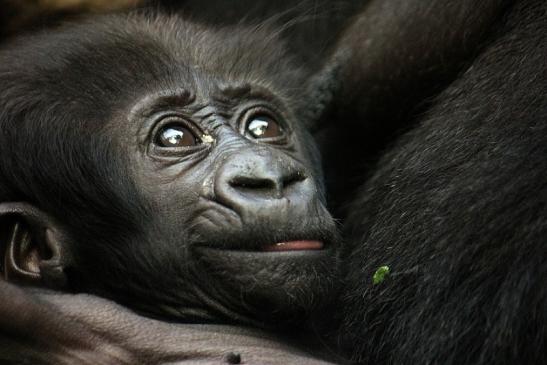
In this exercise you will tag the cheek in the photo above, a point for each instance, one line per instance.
(172, 189)
(171, 205)
(311, 157)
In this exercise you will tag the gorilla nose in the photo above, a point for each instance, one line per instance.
(264, 183)
(258, 178)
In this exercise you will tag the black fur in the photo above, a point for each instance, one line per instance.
(456, 207)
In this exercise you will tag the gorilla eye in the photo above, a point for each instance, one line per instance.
(263, 126)
(176, 136)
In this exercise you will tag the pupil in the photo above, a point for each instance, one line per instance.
(258, 127)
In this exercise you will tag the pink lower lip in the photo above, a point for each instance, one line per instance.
(295, 246)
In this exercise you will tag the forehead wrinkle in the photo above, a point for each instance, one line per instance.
(231, 95)
(235, 91)
(204, 111)
(153, 103)
(210, 116)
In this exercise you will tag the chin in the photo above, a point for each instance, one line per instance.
(280, 284)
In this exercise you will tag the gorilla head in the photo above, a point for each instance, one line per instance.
(165, 166)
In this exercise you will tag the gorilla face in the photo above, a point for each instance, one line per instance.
(233, 196)
(174, 163)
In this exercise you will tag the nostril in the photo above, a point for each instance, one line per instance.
(293, 178)
(251, 183)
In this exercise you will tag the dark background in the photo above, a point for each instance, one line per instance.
(311, 25)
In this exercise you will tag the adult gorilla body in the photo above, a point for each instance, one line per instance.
(454, 206)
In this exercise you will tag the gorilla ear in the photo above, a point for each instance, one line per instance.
(32, 247)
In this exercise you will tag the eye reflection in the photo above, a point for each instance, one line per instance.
(176, 136)
(263, 126)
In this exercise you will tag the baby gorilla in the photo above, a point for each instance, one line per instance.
(165, 166)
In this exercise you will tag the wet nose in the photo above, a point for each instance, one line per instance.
(258, 177)
(264, 181)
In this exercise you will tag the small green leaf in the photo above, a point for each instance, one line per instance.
(380, 274)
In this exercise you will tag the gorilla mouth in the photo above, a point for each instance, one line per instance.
(301, 245)
(256, 246)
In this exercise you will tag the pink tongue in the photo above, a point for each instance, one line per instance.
(295, 246)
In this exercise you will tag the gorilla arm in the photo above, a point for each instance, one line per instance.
(46, 336)
(402, 51)
(389, 62)
(53, 328)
